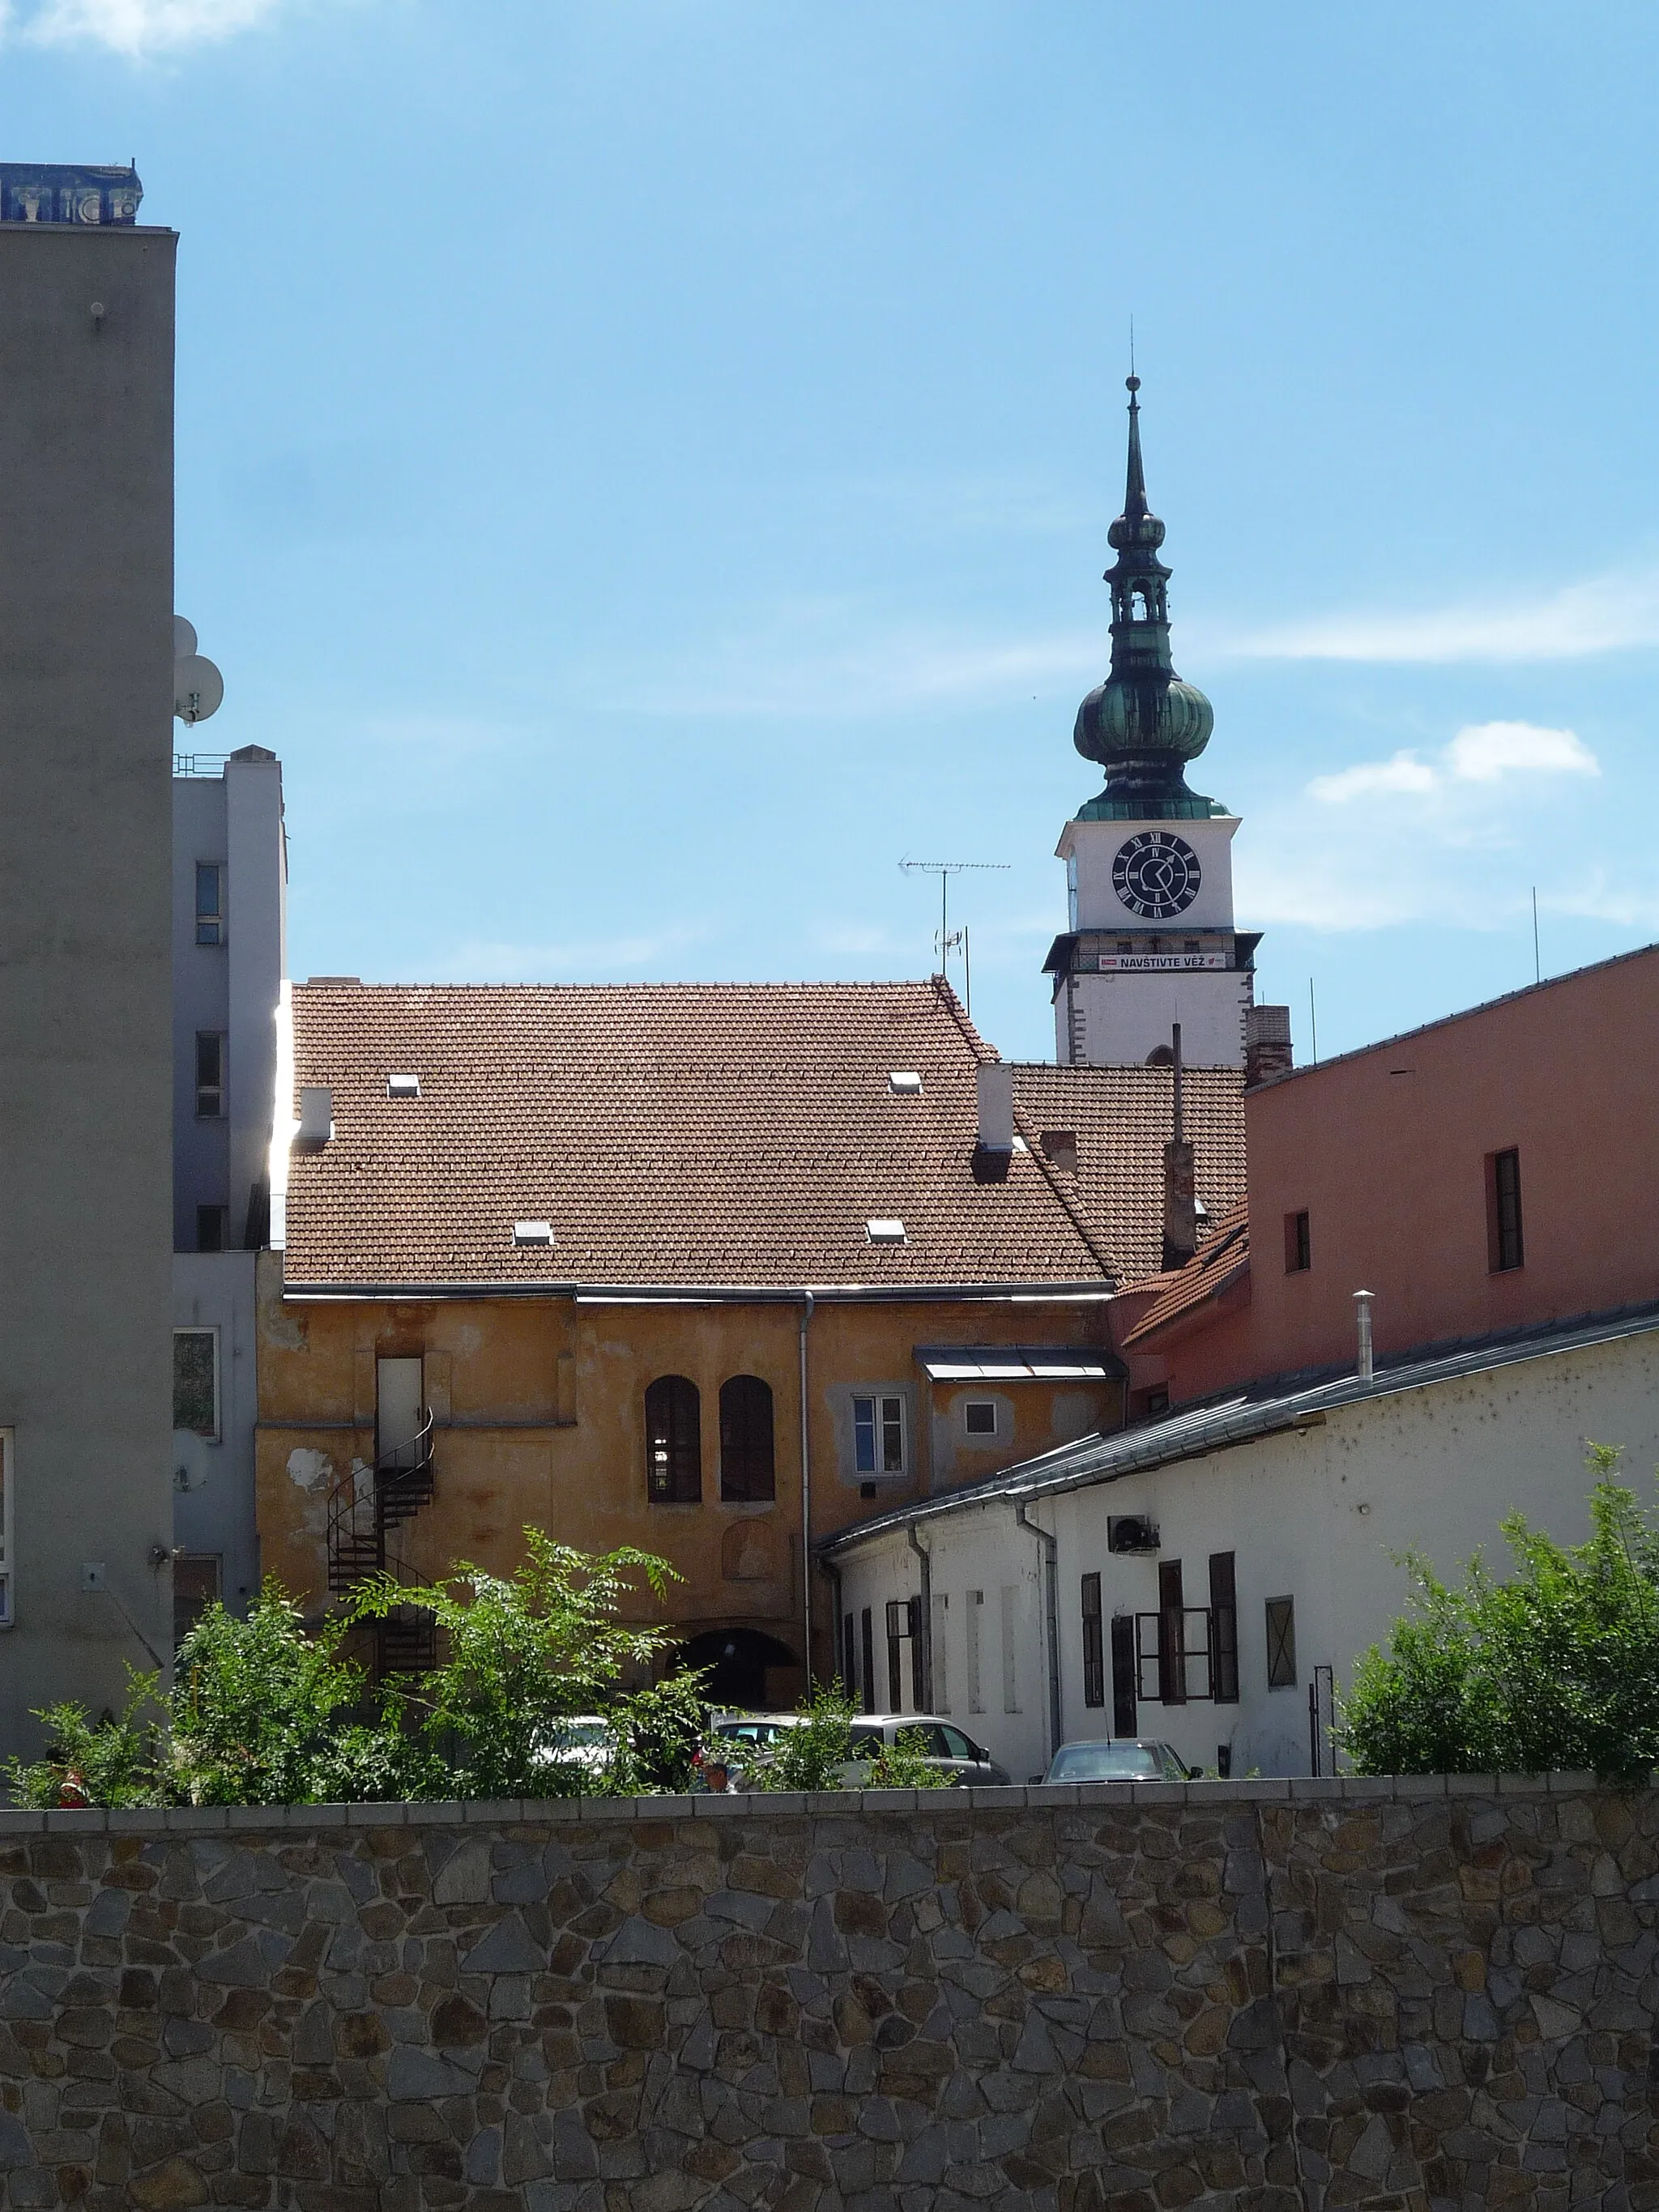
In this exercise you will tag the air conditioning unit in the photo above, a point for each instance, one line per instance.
(1131, 1531)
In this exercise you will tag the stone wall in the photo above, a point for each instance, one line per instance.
(1252, 1995)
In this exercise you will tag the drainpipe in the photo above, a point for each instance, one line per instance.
(926, 1559)
(1051, 1615)
(805, 1500)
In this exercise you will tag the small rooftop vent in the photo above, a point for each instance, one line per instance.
(402, 1086)
(532, 1232)
(905, 1083)
(889, 1231)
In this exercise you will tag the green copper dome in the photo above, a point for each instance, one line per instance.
(1143, 724)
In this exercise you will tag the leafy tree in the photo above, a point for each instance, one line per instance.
(256, 1706)
(657, 1732)
(1556, 1668)
(106, 1762)
(520, 1653)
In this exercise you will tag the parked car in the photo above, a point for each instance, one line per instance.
(942, 1742)
(744, 1740)
(1121, 1761)
(751, 1737)
(582, 1740)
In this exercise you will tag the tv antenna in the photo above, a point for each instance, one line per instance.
(945, 870)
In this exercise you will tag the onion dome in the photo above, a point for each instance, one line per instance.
(1143, 724)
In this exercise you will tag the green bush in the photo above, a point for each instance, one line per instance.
(268, 1711)
(1556, 1668)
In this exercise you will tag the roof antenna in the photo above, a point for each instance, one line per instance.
(1132, 345)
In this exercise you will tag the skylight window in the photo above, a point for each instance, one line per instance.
(889, 1231)
(532, 1232)
(402, 1086)
(905, 1083)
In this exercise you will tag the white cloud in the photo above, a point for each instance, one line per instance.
(139, 27)
(1458, 836)
(1613, 613)
(1482, 752)
(1486, 751)
(1403, 772)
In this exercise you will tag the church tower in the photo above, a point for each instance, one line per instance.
(1150, 940)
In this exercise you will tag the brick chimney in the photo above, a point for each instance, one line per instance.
(1266, 1043)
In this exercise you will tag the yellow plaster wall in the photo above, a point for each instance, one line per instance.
(540, 1419)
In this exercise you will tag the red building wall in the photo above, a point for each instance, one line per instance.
(1387, 1150)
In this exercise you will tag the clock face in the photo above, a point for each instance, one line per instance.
(1157, 875)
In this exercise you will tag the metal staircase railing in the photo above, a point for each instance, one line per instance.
(367, 1508)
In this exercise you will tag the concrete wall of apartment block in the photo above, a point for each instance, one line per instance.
(86, 719)
(1268, 1996)
(231, 821)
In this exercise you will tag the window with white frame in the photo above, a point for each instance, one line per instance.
(878, 1433)
(979, 1417)
(7, 1504)
(196, 1381)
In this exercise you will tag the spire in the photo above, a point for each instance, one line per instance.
(1143, 724)
(1134, 491)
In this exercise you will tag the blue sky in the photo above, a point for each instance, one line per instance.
(646, 466)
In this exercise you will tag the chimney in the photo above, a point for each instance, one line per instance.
(1180, 1187)
(316, 1117)
(1362, 1302)
(1060, 1150)
(996, 1106)
(1267, 1049)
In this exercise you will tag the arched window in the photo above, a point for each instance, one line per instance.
(746, 1467)
(673, 1442)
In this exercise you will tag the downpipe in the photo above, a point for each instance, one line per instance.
(1051, 1616)
(927, 1559)
(807, 1302)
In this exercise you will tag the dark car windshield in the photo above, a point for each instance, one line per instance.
(1105, 1762)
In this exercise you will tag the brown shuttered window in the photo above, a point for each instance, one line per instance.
(1224, 1629)
(747, 1472)
(1094, 1656)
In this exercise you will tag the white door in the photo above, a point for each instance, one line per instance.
(400, 1410)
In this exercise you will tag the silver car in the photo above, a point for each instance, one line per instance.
(1122, 1761)
(943, 1743)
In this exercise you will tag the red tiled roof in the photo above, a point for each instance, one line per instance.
(1217, 1263)
(720, 1135)
(1121, 1118)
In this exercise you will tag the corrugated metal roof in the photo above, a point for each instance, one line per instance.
(1269, 1408)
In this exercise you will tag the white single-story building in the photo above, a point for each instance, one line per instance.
(1210, 1577)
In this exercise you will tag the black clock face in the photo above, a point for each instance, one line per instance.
(1157, 875)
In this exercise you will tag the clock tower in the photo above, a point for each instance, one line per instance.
(1150, 940)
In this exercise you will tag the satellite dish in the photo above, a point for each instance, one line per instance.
(198, 687)
(184, 638)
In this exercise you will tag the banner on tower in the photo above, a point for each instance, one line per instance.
(1157, 963)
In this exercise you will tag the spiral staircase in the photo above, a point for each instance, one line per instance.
(368, 1508)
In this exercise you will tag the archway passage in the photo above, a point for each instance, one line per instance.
(738, 1660)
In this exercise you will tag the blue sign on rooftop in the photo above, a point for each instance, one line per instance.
(52, 191)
